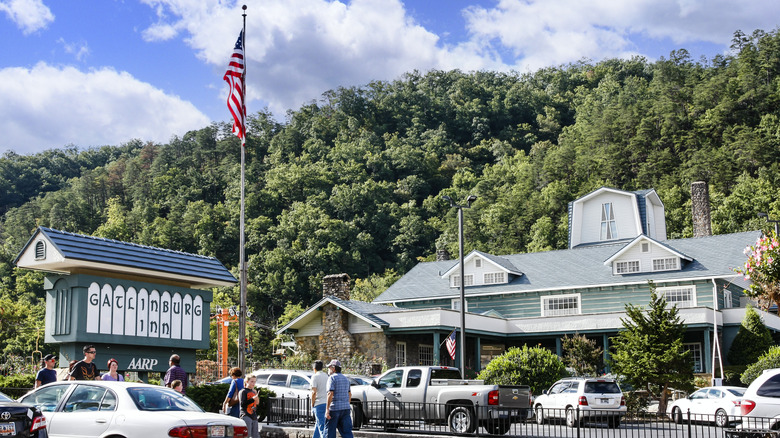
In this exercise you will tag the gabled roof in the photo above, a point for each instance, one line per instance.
(578, 268)
(643, 238)
(499, 262)
(77, 252)
(366, 311)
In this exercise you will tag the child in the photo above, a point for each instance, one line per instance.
(176, 385)
(248, 400)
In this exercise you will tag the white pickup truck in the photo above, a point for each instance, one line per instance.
(435, 395)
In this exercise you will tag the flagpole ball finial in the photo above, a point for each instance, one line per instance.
(243, 7)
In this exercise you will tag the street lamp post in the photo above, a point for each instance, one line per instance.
(460, 208)
(776, 222)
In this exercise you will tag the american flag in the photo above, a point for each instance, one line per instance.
(235, 78)
(451, 344)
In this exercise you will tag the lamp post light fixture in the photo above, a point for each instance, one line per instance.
(460, 208)
(776, 222)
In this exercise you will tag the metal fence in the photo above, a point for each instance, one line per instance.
(431, 418)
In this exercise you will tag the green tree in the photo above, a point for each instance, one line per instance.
(649, 350)
(369, 288)
(752, 340)
(536, 367)
(581, 354)
(768, 360)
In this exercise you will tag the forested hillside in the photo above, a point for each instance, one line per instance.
(353, 182)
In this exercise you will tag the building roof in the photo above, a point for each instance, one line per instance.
(363, 310)
(582, 267)
(79, 252)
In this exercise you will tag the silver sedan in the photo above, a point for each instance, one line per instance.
(123, 409)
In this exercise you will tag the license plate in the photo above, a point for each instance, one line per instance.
(7, 429)
(216, 431)
(604, 400)
(513, 412)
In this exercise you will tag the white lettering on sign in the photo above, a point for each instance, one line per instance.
(140, 313)
(142, 363)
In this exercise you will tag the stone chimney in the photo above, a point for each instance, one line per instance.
(336, 342)
(442, 255)
(700, 206)
(336, 285)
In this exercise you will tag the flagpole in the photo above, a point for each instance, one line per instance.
(242, 275)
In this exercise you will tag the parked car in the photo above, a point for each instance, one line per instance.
(760, 406)
(18, 420)
(714, 404)
(597, 399)
(105, 408)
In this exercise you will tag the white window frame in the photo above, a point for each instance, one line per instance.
(477, 262)
(608, 224)
(628, 266)
(469, 280)
(425, 352)
(679, 290)
(400, 353)
(695, 349)
(728, 299)
(666, 264)
(645, 247)
(546, 311)
(498, 277)
(455, 304)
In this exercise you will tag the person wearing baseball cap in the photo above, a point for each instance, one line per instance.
(337, 407)
(46, 374)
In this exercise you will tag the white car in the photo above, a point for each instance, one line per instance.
(715, 404)
(760, 407)
(580, 398)
(99, 408)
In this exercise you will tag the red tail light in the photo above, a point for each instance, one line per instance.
(622, 401)
(240, 432)
(38, 423)
(180, 432)
(747, 406)
(583, 401)
(493, 397)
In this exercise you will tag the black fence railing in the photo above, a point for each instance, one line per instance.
(474, 420)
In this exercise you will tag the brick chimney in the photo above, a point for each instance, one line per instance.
(336, 285)
(336, 342)
(442, 255)
(700, 209)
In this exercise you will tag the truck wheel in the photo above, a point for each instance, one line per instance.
(571, 418)
(461, 420)
(539, 414)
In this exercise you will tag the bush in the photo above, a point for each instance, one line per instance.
(17, 385)
(770, 359)
(752, 340)
(732, 374)
(537, 367)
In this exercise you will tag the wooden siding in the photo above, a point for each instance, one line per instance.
(587, 217)
(357, 325)
(313, 328)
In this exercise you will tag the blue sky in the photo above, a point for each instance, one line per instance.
(103, 72)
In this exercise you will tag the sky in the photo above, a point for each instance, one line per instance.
(104, 72)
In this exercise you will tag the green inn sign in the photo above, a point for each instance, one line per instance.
(135, 303)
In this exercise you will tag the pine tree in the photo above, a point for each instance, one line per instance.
(581, 354)
(752, 340)
(650, 351)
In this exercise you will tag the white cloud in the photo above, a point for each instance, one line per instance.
(98, 107)
(29, 15)
(79, 50)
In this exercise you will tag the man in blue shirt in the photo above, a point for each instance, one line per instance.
(46, 374)
(337, 407)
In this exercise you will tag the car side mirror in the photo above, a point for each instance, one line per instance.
(375, 384)
(544, 392)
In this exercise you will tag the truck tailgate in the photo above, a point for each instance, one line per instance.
(514, 396)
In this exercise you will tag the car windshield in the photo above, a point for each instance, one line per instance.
(161, 399)
(601, 388)
(739, 392)
(4, 397)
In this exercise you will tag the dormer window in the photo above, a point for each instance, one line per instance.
(608, 225)
(456, 280)
(666, 264)
(627, 267)
(40, 250)
(495, 277)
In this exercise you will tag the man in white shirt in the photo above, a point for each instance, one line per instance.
(319, 397)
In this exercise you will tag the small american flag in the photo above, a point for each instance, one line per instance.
(451, 344)
(235, 78)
